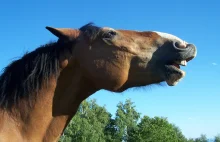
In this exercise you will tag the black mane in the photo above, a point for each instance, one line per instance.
(25, 76)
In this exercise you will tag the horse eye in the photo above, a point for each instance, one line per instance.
(112, 33)
(109, 34)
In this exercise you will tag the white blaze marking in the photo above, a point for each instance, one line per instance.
(107, 28)
(171, 37)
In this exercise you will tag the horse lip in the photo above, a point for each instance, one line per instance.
(190, 58)
(172, 75)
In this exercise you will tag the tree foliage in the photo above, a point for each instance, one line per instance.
(202, 138)
(93, 123)
(88, 124)
(217, 138)
(126, 120)
(158, 129)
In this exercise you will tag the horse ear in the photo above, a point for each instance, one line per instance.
(64, 33)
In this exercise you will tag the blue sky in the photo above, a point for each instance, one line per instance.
(193, 105)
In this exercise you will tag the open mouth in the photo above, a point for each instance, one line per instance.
(178, 63)
(173, 72)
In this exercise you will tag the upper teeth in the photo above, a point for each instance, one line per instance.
(183, 62)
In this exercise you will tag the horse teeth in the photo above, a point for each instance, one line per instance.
(183, 62)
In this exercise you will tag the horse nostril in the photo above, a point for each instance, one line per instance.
(179, 45)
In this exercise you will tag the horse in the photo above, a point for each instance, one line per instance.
(41, 91)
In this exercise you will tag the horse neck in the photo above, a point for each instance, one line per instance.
(54, 106)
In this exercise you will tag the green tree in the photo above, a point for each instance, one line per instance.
(190, 140)
(125, 122)
(88, 124)
(110, 132)
(179, 134)
(157, 130)
(202, 138)
(93, 123)
(217, 138)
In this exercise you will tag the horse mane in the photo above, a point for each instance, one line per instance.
(24, 77)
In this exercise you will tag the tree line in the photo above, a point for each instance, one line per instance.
(93, 123)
